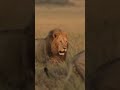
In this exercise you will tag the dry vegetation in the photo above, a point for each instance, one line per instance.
(72, 20)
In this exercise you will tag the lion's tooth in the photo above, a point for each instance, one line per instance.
(61, 53)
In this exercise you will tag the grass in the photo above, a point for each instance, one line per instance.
(72, 20)
(76, 41)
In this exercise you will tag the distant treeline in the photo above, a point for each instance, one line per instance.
(53, 1)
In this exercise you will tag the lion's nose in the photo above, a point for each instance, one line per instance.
(64, 48)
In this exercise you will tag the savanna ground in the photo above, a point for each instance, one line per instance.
(70, 19)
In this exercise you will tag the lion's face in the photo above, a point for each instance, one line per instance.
(59, 43)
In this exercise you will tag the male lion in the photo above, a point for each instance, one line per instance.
(53, 47)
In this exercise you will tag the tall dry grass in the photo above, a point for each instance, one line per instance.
(72, 20)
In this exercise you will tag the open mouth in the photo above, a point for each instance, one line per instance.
(61, 53)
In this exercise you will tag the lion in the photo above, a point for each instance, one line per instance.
(78, 63)
(52, 48)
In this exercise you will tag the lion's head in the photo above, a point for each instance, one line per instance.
(57, 43)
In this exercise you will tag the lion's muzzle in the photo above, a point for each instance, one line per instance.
(62, 52)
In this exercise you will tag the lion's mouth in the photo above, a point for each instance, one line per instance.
(61, 53)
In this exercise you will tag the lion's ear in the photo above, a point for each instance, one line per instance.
(55, 35)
